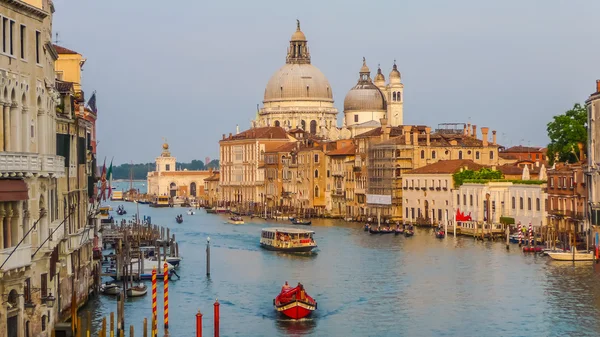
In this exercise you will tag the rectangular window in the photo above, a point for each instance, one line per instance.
(521, 203)
(316, 158)
(38, 40)
(167, 167)
(513, 203)
(458, 199)
(44, 284)
(471, 200)
(355, 118)
(465, 199)
(11, 37)
(552, 182)
(537, 204)
(4, 31)
(529, 204)
(27, 290)
(23, 37)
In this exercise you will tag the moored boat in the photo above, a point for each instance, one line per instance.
(287, 239)
(373, 230)
(399, 230)
(573, 256)
(110, 289)
(294, 303)
(137, 290)
(301, 222)
(236, 220)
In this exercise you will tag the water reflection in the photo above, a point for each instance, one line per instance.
(290, 327)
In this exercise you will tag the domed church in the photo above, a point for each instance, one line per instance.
(298, 95)
(367, 102)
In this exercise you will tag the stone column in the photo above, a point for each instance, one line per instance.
(41, 131)
(7, 127)
(8, 226)
(25, 138)
(15, 125)
(2, 132)
(2, 216)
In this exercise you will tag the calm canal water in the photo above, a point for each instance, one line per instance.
(366, 285)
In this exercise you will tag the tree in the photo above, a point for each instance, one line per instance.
(482, 174)
(566, 131)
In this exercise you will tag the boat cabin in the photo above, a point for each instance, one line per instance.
(287, 239)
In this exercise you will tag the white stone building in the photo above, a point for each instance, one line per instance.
(593, 159)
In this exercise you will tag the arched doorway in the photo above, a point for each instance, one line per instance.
(303, 125)
(313, 127)
(193, 189)
(173, 190)
(12, 314)
(277, 123)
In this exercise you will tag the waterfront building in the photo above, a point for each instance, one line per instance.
(567, 197)
(367, 102)
(593, 159)
(167, 180)
(488, 202)
(428, 191)
(211, 187)
(242, 158)
(312, 178)
(280, 186)
(525, 153)
(340, 189)
(298, 95)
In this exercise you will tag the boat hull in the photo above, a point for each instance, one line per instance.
(110, 290)
(296, 309)
(568, 256)
(303, 249)
(135, 292)
(235, 222)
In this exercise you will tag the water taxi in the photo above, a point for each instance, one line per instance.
(160, 201)
(236, 220)
(287, 239)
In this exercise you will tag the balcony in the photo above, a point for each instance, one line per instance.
(80, 238)
(567, 214)
(20, 258)
(338, 192)
(20, 164)
(359, 191)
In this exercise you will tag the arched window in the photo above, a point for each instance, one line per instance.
(303, 125)
(491, 154)
(459, 154)
(432, 154)
(173, 189)
(316, 173)
(313, 127)
(44, 323)
(193, 189)
(422, 154)
(394, 96)
(316, 191)
(399, 96)
(277, 123)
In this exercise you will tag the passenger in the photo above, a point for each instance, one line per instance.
(285, 287)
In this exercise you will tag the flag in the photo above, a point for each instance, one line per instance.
(109, 178)
(92, 103)
(101, 195)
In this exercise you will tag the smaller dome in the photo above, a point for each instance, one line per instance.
(395, 74)
(379, 78)
(364, 68)
(298, 35)
(364, 97)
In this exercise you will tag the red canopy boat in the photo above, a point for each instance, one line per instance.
(295, 302)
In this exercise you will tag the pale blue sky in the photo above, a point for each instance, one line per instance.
(191, 70)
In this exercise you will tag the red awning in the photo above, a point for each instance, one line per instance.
(13, 190)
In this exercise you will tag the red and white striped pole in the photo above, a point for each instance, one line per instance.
(166, 294)
(530, 234)
(520, 229)
(154, 317)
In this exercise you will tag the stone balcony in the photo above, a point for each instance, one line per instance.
(76, 240)
(21, 164)
(20, 258)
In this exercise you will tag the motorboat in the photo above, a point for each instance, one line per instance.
(172, 260)
(191, 212)
(301, 222)
(532, 249)
(138, 290)
(287, 240)
(236, 220)
(573, 256)
(294, 303)
(150, 264)
(109, 288)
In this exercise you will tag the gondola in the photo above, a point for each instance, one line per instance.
(409, 231)
(301, 222)
(373, 230)
(440, 234)
(399, 231)
(367, 227)
(179, 219)
(121, 210)
(386, 231)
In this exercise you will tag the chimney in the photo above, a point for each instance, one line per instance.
(597, 85)
(474, 131)
(406, 131)
(493, 137)
(230, 135)
(237, 129)
(223, 136)
(464, 129)
(415, 136)
(385, 128)
(484, 135)
(468, 129)
(428, 132)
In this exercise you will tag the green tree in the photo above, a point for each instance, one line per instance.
(482, 174)
(566, 131)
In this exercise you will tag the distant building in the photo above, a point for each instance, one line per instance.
(593, 161)
(567, 197)
(525, 153)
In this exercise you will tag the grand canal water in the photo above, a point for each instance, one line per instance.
(367, 285)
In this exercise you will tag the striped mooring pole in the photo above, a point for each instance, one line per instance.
(154, 317)
(166, 294)
(520, 233)
(530, 234)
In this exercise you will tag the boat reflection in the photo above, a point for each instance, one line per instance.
(301, 327)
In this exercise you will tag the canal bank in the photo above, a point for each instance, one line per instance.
(366, 285)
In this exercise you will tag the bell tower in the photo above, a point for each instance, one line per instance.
(165, 163)
(395, 98)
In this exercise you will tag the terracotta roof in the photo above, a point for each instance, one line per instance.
(63, 50)
(287, 147)
(347, 150)
(505, 155)
(447, 166)
(438, 139)
(526, 149)
(63, 86)
(267, 132)
(272, 147)
(394, 132)
(214, 177)
(509, 169)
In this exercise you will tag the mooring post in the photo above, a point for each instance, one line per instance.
(79, 328)
(131, 331)
(507, 236)
(145, 327)
(166, 295)
(208, 256)
(216, 306)
(103, 326)
(112, 324)
(198, 324)
(154, 317)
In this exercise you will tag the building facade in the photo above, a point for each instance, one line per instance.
(593, 159)
(567, 197)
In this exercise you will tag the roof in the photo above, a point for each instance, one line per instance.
(440, 140)
(394, 132)
(447, 167)
(266, 132)
(527, 149)
(286, 230)
(347, 150)
(64, 87)
(63, 50)
(509, 169)
(214, 177)
(287, 147)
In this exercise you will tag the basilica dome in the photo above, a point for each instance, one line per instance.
(364, 96)
(298, 82)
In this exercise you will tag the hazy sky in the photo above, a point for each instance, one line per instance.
(191, 70)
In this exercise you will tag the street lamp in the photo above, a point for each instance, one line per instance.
(49, 300)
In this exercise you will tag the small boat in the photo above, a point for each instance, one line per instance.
(373, 230)
(399, 230)
(386, 230)
(409, 231)
(532, 249)
(301, 222)
(573, 256)
(236, 220)
(545, 252)
(137, 290)
(179, 219)
(210, 210)
(294, 303)
(191, 212)
(121, 210)
(287, 240)
(110, 289)
(440, 234)
(367, 227)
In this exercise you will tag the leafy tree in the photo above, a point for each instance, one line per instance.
(482, 174)
(566, 131)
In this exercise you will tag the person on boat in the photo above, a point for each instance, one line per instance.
(285, 287)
